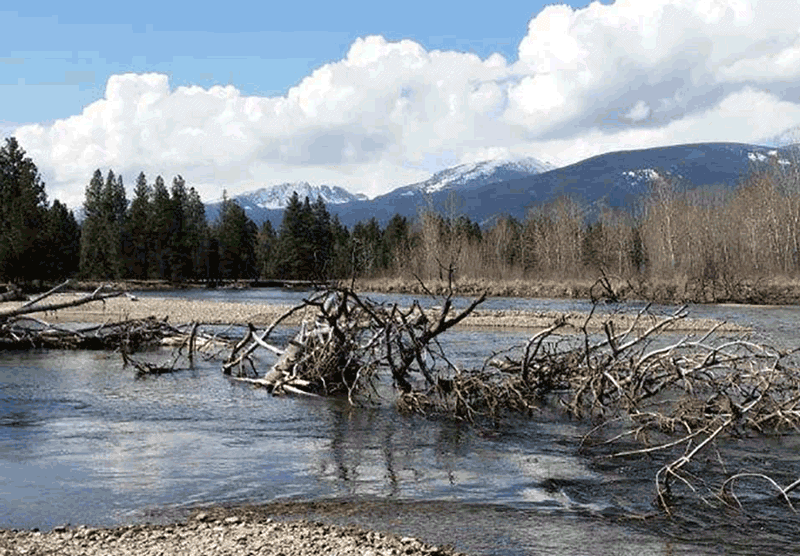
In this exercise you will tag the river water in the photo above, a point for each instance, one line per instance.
(84, 441)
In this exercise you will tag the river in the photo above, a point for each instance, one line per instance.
(83, 441)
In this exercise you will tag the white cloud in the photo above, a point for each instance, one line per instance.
(640, 111)
(628, 75)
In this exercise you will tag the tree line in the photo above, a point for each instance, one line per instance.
(713, 236)
(36, 238)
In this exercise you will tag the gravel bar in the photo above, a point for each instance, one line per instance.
(182, 311)
(216, 533)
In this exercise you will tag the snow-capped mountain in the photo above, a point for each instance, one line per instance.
(262, 201)
(484, 190)
(277, 196)
(484, 173)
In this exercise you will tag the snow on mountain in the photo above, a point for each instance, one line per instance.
(483, 173)
(277, 196)
(765, 157)
(643, 175)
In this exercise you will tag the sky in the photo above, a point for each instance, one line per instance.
(371, 96)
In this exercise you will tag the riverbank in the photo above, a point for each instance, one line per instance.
(182, 311)
(762, 291)
(217, 532)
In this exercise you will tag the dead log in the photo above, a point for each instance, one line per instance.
(32, 306)
(347, 342)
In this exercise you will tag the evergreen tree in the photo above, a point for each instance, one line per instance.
(266, 250)
(115, 206)
(196, 230)
(321, 240)
(23, 205)
(180, 251)
(138, 234)
(105, 207)
(396, 242)
(341, 250)
(236, 237)
(292, 241)
(63, 243)
(161, 228)
(93, 262)
(593, 248)
(368, 250)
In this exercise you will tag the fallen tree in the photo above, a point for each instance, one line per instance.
(20, 329)
(346, 341)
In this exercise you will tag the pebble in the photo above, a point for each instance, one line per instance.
(231, 535)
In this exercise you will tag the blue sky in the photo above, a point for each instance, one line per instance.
(371, 96)
(60, 55)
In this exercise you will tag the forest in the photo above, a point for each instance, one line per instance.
(711, 241)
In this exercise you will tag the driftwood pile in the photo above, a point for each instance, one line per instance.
(25, 327)
(344, 346)
(651, 393)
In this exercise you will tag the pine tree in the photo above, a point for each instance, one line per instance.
(138, 234)
(321, 240)
(117, 214)
(367, 247)
(93, 263)
(161, 226)
(196, 233)
(23, 205)
(289, 263)
(105, 209)
(236, 237)
(396, 242)
(341, 250)
(180, 256)
(266, 250)
(62, 243)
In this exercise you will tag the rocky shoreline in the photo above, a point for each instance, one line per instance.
(217, 532)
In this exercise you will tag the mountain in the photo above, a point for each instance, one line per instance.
(480, 173)
(259, 204)
(487, 189)
(616, 179)
(406, 200)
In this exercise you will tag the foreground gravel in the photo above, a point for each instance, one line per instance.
(216, 534)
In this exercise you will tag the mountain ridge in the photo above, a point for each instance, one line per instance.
(486, 189)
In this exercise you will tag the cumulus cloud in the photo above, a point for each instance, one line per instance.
(628, 75)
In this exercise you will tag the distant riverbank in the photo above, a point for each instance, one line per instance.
(772, 291)
(182, 311)
(761, 291)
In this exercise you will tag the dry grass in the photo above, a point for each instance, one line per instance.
(774, 290)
